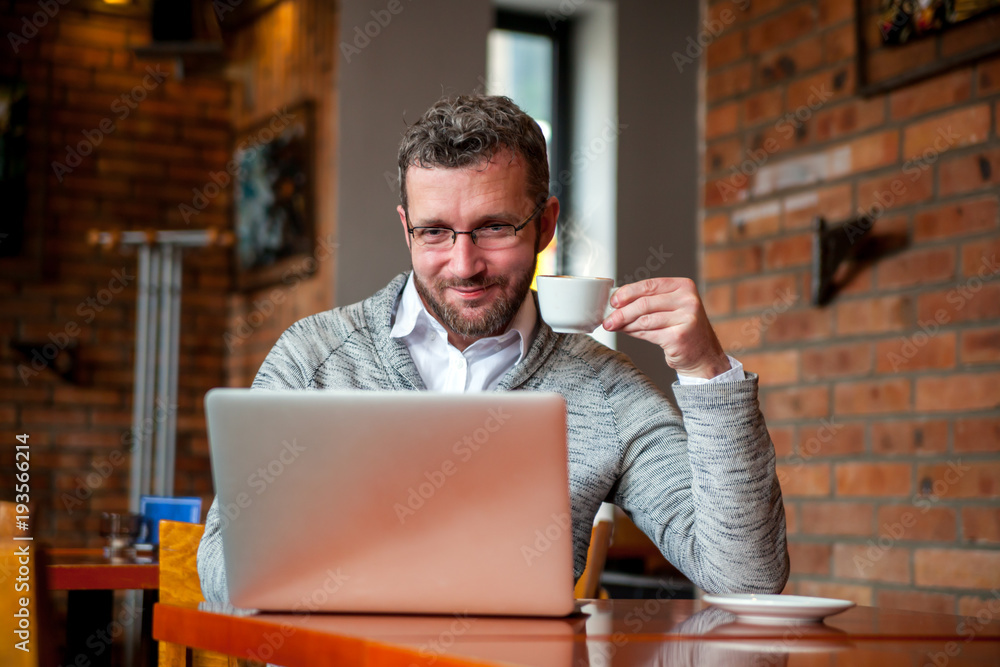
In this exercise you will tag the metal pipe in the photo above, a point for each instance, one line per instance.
(149, 423)
(139, 379)
(172, 369)
(163, 370)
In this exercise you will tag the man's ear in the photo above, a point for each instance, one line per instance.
(406, 227)
(547, 226)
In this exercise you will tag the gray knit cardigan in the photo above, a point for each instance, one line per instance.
(703, 488)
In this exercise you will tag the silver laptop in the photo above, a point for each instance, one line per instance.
(412, 502)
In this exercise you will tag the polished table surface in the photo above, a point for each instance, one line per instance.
(76, 569)
(607, 632)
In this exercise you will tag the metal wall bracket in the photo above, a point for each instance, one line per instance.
(833, 245)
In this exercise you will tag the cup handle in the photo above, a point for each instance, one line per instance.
(608, 309)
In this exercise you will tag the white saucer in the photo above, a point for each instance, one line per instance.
(778, 609)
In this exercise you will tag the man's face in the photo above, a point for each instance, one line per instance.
(474, 292)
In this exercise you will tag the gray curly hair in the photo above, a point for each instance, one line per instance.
(469, 130)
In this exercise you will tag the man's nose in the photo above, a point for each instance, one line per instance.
(467, 258)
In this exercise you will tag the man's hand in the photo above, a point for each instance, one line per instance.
(669, 313)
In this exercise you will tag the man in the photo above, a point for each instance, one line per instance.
(475, 212)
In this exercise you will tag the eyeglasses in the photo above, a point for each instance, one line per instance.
(491, 236)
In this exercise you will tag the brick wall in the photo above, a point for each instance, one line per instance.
(883, 405)
(284, 58)
(139, 140)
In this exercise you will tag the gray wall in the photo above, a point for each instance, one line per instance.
(439, 46)
(657, 154)
(429, 48)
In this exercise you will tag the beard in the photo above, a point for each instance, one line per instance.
(473, 320)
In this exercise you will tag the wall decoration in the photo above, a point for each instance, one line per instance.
(273, 199)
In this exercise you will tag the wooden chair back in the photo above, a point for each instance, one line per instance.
(23, 578)
(180, 585)
(588, 585)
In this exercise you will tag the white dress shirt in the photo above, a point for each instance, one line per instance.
(481, 365)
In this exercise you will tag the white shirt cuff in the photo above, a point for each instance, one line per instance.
(734, 374)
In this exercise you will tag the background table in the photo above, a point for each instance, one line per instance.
(91, 580)
(619, 632)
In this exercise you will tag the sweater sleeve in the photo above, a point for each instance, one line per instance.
(706, 490)
(282, 369)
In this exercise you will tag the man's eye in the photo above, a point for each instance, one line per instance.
(493, 229)
(434, 233)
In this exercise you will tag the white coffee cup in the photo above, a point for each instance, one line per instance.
(574, 304)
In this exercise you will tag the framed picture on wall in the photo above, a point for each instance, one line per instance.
(273, 198)
(902, 41)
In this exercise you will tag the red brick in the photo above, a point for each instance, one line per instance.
(791, 519)
(834, 203)
(726, 191)
(727, 14)
(820, 89)
(877, 315)
(739, 334)
(854, 116)
(960, 479)
(61, 416)
(977, 434)
(895, 189)
(732, 263)
(839, 44)
(88, 439)
(833, 361)
(930, 603)
(861, 595)
(872, 397)
(789, 251)
(988, 77)
(722, 120)
(781, 438)
(966, 217)
(782, 28)
(964, 391)
(774, 368)
(969, 172)
(760, 293)
(981, 525)
(801, 479)
(831, 439)
(718, 300)
(914, 352)
(832, 12)
(715, 229)
(873, 479)
(799, 325)
(874, 150)
(861, 561)
(959, 304)
(762, 219)
(981, 346)
(82, 56)
(910, 522)
(909, 437)
(981, 259)
(916, 267)
(728, 82)
(725, 49)
(782, 64)
(798, 403)
(940, 92)
(837, 518)
(806, 558)
(84, 396)
(957, 568)
(974, 605)
(947, 131)
(725, 154)
(762, 106)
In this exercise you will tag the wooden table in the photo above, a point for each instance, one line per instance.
(618, 632)
(91, 580)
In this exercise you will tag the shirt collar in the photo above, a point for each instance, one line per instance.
(412, 321)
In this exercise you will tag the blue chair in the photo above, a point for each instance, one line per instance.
(186, 509)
